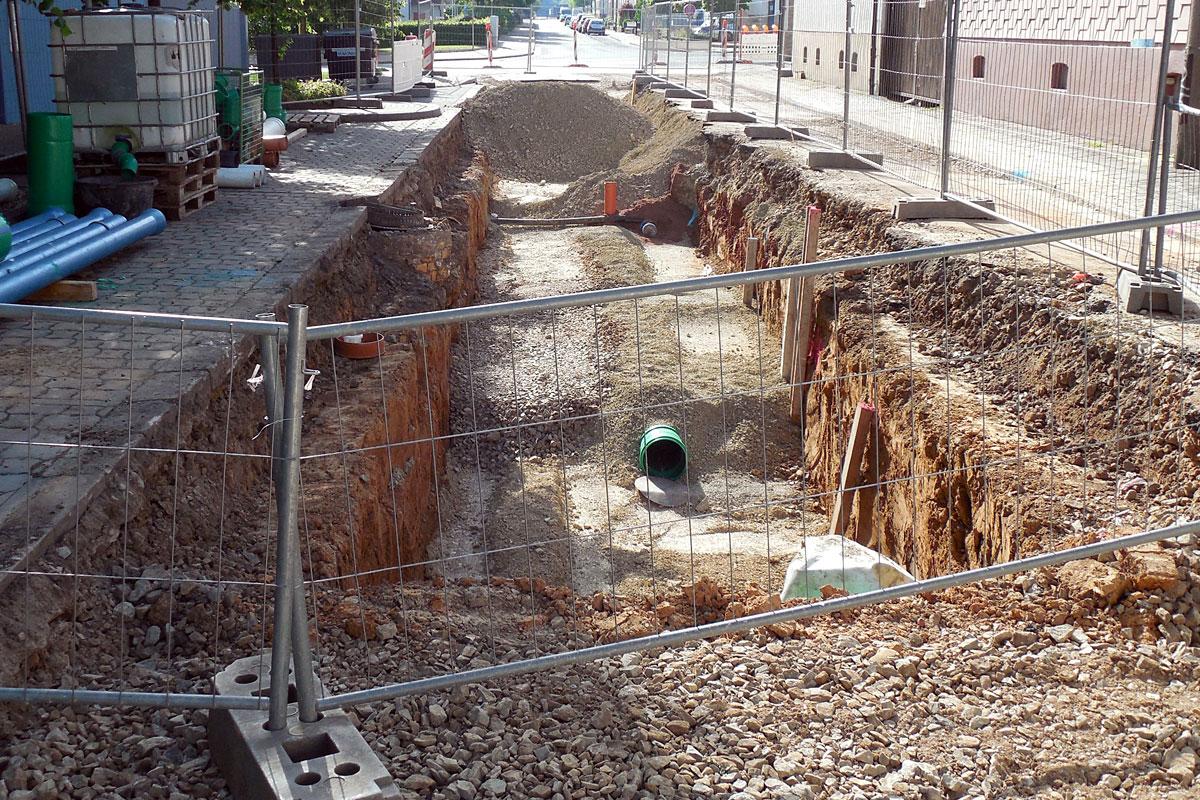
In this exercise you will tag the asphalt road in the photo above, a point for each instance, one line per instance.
(555, 49)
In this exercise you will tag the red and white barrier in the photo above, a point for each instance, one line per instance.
(427, 53)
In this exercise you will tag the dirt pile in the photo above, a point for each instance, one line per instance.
(644, 172)
(552, 131)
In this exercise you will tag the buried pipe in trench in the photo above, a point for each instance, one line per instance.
(662, 453)
(644, 226)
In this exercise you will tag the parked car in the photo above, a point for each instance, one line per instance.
(595, 28)
(565, 17)
(575, 22)
(629, 25)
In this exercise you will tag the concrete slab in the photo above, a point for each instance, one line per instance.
(702, 104)
(1144, 294)
(940, 208)
(322, 759)
(666, 492)
(836, 159)
(674, 94)
(730, 116)
(775, 132)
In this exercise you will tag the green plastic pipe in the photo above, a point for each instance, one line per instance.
(662, 453)
(5, 237)
(51, 162)
(273, 101)
(122, 154)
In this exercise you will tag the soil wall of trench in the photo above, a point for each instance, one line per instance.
(943, 504)
(211, 523)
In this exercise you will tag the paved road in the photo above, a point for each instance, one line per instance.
(554, 51)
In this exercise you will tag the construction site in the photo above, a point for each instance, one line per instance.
(477, 460)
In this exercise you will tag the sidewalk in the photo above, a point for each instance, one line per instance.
(63, 385)
(1040, 177)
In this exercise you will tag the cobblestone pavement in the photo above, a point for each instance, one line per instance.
(73, 397)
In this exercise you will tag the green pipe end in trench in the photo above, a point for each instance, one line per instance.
(662, 453)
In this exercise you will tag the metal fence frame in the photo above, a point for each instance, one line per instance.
(284, 383)
(944, 177)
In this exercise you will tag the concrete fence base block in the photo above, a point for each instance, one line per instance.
(729, 116)
(775, 132)
(682, 94)
(662, 85)
(702, 104)
(940, 208)
(837, 159)
(322, 759)
(1137, 293)
(642, 81)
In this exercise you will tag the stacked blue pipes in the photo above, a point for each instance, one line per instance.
(54, 245)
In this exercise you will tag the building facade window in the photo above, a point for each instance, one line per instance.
(804, 56)
(817, 59)
(1058, 76)
(854, 62)
(978, 67)
(841, 60)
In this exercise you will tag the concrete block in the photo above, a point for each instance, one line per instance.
(642, 81)
(939, 208)
(1138, 293)
(729, 116)
(681, 94)
(775, 132)
(836, 159)
(663, 85)
(702, 104)
(322, 759)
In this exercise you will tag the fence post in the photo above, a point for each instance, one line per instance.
(18, 56)
(290, 644)
(529, 45)
(1164, 172)
(1160, 111)
(846, 76)
(687, 52)
(737, 44)
(358, 52)
(670, 19)
(708, 75)
(949, 69)
(779, 58)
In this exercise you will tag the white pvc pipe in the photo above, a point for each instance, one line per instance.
(247, 176)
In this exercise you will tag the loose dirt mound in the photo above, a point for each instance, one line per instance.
(644, 172)
(552, 131)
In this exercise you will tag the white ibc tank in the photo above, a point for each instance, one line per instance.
(145, 72)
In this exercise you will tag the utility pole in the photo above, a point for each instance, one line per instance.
(1188, 154)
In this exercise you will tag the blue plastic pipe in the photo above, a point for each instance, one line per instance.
(38, 219)
(42, 273)
(45, 227)
(92, 230)
(25, 244)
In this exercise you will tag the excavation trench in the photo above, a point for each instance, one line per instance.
(999, 424)
(496, 460)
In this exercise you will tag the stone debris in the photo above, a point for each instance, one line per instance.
(992, 690)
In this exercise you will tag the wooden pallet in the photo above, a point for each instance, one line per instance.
(315, 122)
(190, 205)
(179, 184)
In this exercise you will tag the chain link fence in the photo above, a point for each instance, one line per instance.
(467, 483)
(1047, 118)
